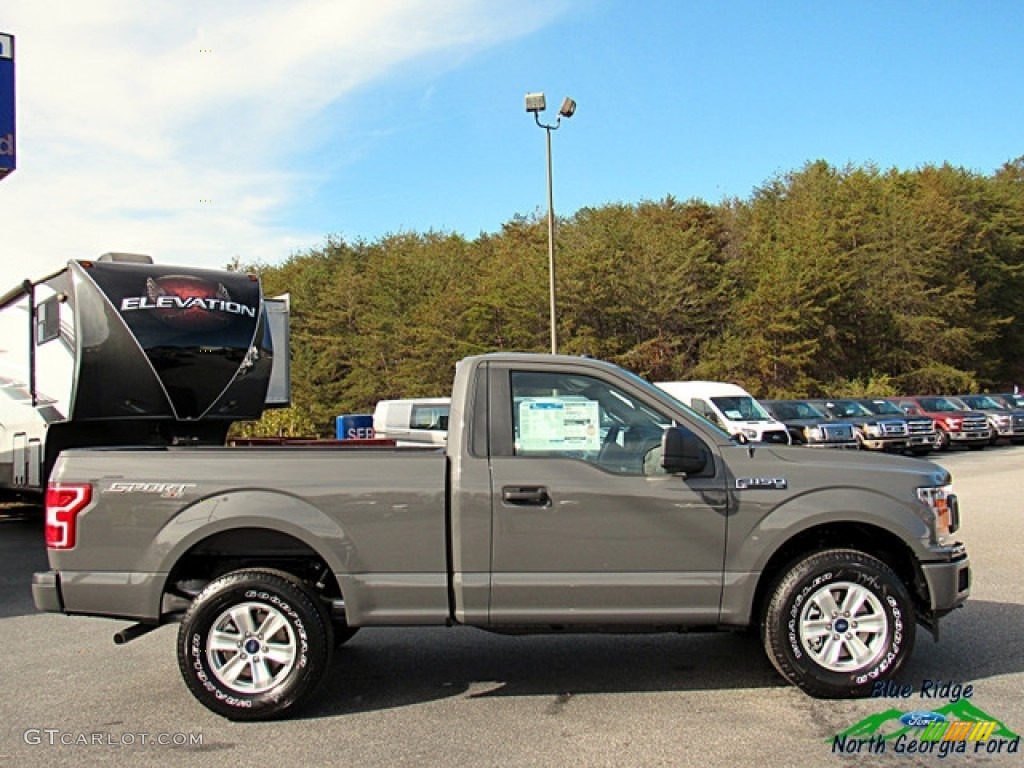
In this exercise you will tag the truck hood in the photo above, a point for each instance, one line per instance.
(834, 467)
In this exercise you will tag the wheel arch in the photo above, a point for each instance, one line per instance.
(864, 537)
(249, 529)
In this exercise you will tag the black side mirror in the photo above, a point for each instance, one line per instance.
(682, 451)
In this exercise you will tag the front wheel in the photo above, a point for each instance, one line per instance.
(941, 440)
(253, 644)
(836, 622)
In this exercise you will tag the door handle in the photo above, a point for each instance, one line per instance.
(533, 496)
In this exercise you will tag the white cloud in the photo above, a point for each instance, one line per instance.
(131, 115)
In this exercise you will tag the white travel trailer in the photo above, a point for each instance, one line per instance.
(730, 407)
(120, 351)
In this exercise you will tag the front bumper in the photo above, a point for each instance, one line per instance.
(973, 437)
(883, 444)
(949, 583)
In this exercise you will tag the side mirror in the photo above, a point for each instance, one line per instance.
(682, 451)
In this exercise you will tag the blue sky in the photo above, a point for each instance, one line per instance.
(200, 132)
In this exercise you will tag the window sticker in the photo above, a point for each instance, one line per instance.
(557, 424)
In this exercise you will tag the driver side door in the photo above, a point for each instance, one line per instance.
(586, 527)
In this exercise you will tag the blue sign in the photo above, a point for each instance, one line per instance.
(7, 132)
(354, 427)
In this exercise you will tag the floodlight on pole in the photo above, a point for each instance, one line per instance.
(536, 104)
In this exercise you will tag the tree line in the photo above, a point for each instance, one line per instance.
(825, 281)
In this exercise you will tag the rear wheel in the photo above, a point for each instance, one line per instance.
(836, 622)
(254, 644)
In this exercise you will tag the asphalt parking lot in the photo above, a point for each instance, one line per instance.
(428, 697)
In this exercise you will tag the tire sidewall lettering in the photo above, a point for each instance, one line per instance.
(790, 602)
(297, 609)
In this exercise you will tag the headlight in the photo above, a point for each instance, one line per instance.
(954, 424)
(943, 503)
(749, 433)
(872, 430)
(813, 433)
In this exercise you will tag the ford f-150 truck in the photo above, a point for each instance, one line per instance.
(571, 496)
(953, 425)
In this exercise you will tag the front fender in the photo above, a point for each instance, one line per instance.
(756, 535)
(759, 531)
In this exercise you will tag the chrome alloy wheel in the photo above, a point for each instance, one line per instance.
(843, 627)
(251, 647)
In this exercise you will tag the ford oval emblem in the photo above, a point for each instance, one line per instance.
(921, 718)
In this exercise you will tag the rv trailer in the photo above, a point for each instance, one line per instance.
(122, 351)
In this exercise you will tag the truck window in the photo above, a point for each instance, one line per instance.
(580, 417)
(429, 417)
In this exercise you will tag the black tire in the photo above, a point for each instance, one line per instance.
(838, 656)
(291, 660)
(941, 440)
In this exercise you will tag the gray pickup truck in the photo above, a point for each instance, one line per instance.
(571, 496)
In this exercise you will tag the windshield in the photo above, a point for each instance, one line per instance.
(883, 407)
(939, 405)
(983, 402)
(796, 409)
(741, 408)
(848, 408)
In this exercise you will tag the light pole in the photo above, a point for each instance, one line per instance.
(535, 104)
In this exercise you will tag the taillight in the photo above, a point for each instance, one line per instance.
(63, 503)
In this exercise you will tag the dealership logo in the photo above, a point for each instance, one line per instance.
(188, 302)
(958, 727)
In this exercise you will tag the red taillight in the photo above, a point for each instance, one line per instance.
(63, 503)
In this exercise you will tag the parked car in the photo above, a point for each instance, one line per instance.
(1006, 423)
(811, 427)
(729, 407)
(874, 433)
(955, 426)
(921, 433)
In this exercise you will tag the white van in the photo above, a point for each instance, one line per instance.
(416, 421)
(730, 407)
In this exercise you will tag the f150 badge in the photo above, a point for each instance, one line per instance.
(164, 490)
(775, 483)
